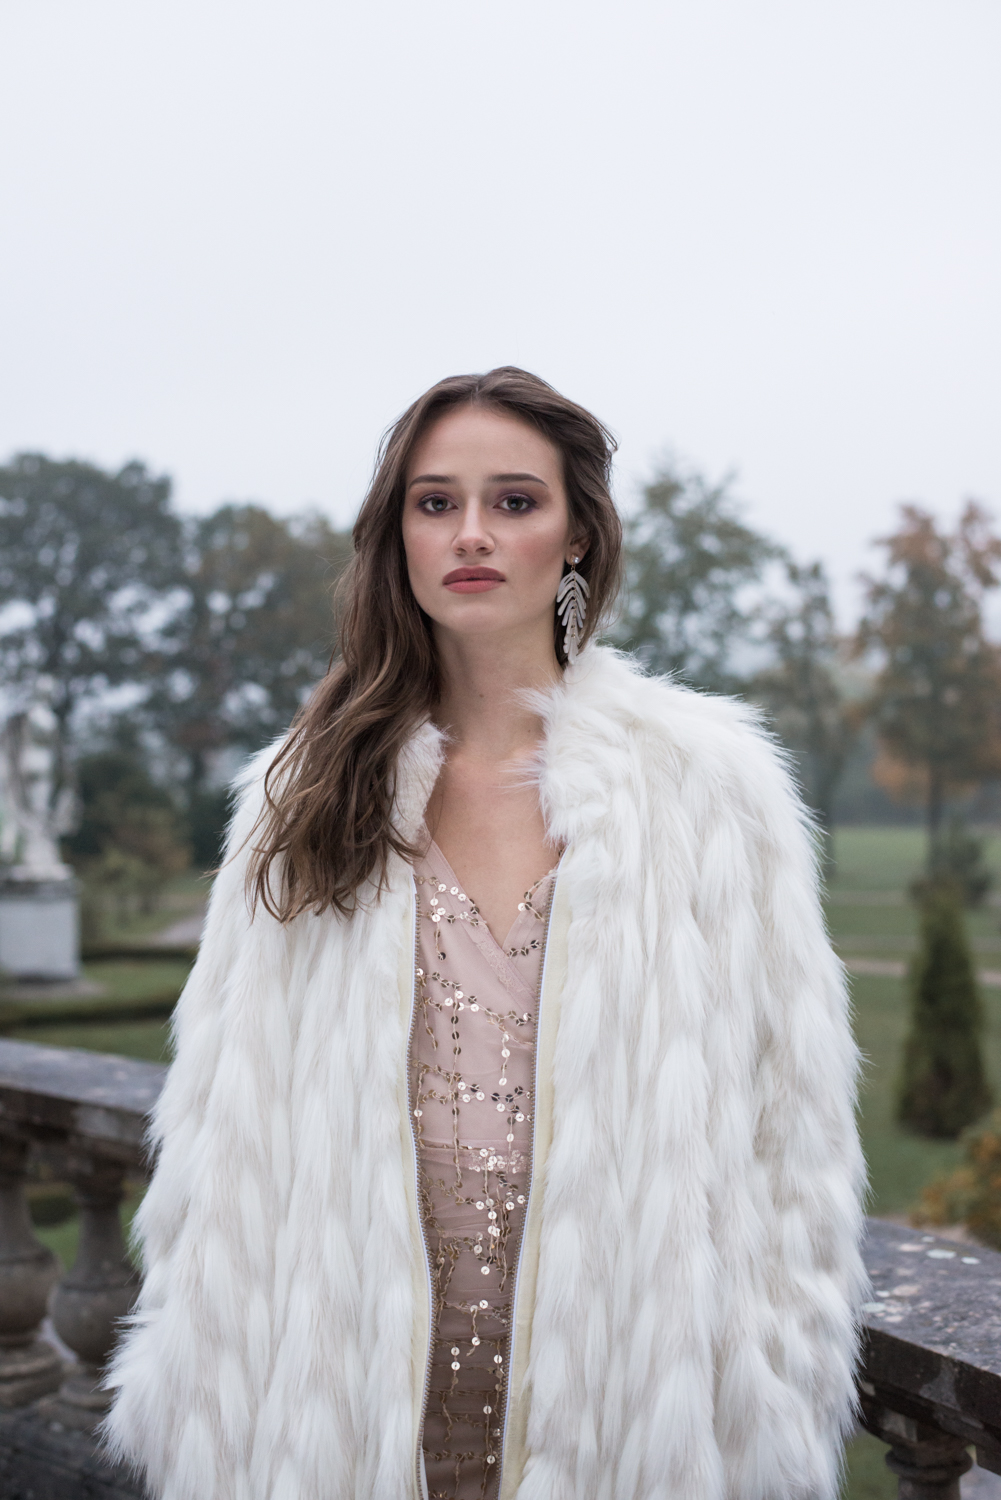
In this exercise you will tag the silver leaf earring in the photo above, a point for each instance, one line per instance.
(571, 607)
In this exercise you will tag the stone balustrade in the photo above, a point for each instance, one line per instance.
(83, 1114)
(929, 1381)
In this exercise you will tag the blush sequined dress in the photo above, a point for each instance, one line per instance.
(472, 1065)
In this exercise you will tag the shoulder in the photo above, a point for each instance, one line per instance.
(626, 747)
(637, 763)
(417, 769)
(701, 734)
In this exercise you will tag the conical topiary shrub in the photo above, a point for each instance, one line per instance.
(942, 1086)
(959, 857)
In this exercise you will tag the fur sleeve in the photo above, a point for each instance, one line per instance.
(243, 1357)
(151, 1370)
(789, 1336)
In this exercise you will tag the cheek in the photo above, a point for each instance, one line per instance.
(421, 552)
(540, 553)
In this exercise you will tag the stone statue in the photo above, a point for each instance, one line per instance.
(32, 817)
(39, 917)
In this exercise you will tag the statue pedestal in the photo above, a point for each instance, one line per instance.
(39, 923)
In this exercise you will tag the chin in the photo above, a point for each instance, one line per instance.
(476, 612)
(477, 626)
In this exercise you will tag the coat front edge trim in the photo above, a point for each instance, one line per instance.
(422, 1273)
(515, 1443)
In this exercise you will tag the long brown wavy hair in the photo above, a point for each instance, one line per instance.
(327, 824)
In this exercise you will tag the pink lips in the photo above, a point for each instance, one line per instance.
(472, 580)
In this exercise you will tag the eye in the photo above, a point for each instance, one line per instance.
(434, 505)
(518, 504)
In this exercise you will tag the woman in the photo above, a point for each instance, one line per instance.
(509, 1149)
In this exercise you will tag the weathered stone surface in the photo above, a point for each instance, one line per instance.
(933, 1336)
(40, 1460)
(28, 1367)
(99, 1100)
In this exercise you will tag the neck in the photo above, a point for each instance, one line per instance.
(481, 706)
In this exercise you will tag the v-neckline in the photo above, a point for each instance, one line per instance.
(500, 947)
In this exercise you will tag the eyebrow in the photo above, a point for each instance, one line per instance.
(517, 478)
(494, 479)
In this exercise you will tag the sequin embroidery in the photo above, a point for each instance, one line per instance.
(474, 1046)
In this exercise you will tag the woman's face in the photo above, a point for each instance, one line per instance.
(486, 525)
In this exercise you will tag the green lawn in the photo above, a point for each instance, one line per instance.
(131, 990)
(886, 859)
(182, 896)
(127, 980)
(866, 1474)
(148, 1040)
(899, 1164)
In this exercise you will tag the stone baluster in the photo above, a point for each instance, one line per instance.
(94, 1295)
(29, 1367)
(929, 1469)
(928, 1463)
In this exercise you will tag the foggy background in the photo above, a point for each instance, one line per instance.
(239, 238)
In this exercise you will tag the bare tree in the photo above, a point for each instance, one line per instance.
(690, 561)
(802, 688)
(936, 702)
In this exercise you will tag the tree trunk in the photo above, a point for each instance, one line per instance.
(197, 771)
(825, 817)
(63, 778)
(935, 810)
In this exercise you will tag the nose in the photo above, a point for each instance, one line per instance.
(471, 535)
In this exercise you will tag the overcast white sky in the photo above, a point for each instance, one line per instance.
(237, 238)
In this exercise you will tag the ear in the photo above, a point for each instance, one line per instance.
(577, 547)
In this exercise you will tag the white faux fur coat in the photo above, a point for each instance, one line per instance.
(686, 1329)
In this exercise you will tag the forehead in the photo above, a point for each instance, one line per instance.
(474, 441)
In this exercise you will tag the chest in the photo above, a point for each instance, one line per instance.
(488, 823)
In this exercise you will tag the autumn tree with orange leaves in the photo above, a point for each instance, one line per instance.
(936, 703)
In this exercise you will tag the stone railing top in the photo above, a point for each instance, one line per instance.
(933, 1333)
(97, 1099)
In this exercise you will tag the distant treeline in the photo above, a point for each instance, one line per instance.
(169, 646)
